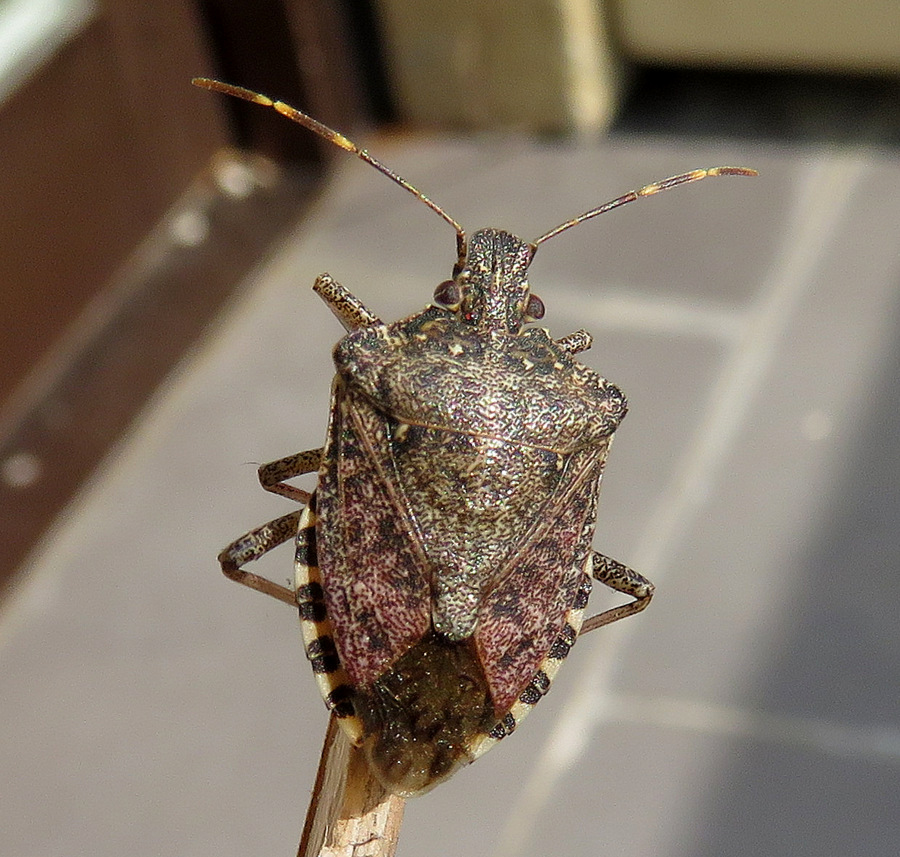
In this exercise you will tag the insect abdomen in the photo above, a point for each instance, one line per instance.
(318, 633)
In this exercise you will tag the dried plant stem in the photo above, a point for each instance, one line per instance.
(350, 814)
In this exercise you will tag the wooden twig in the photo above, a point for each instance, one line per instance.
(350, 814)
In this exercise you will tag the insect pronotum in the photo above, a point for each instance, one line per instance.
(444, 561)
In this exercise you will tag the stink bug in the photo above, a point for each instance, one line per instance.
(444, 561)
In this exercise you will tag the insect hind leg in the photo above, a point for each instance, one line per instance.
(252, 546)
(274, 475)
(622, 579)
(258, 542)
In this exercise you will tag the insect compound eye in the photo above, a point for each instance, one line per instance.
(534, 308)
(448, 294)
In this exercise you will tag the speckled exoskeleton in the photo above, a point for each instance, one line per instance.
(444, 561)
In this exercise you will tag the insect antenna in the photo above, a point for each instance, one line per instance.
(647, 190)
(339, 140)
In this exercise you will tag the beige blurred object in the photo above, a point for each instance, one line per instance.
(536, 65)
(350, 814)
(815, 35)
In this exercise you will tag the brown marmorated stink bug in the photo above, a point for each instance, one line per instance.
(444, 561)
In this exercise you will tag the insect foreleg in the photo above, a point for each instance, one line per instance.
(575, 342)
(623, 579)
(252, 546)
(349, 310)
(274, 475)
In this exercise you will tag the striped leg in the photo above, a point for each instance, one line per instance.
(253, 545)
(274, 475)
(622, 579)
(250, 546)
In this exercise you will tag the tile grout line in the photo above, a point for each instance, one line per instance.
(622, 312)
(825, 189)
(881, 744)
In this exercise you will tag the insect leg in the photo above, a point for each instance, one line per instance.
(349, 310)
(274, 475)
(581, 340)
(623, 579)
(252, 546)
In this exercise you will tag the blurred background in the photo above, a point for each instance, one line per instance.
(157, 244)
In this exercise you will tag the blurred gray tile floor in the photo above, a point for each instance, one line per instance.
(150, 707)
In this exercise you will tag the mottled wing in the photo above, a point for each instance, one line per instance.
(376, 589)
(522, 616)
